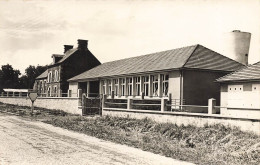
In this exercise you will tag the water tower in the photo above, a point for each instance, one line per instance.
(237, 46)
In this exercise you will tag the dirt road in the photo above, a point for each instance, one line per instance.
(31, 142)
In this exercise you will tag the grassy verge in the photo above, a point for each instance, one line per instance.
(215, 144)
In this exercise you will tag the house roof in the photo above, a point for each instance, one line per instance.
(194, 57)
(67, 54)
(251, 72)
(43, 75)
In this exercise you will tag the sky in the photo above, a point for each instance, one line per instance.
(31, 31)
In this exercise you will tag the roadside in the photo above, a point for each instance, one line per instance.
(208, 145)
(33, 142)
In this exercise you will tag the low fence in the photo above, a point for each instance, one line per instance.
(25, 94)
(163, 105)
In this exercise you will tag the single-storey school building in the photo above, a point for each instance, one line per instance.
(188, 75)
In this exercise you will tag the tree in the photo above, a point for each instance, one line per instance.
(31, 73)
(9, 77)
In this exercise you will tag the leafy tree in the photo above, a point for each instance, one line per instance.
(9, 77)
(31, 73)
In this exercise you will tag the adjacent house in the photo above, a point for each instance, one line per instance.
(53, 82)
(186, 74)
(240, 92)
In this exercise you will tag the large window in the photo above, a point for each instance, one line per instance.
(116, 88)
(129, 86)
(109, 87)
(146, 85)
(123, 84)
(137, 86)
(155, 85)
(165, 84)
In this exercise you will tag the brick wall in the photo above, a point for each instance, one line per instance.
(66, 104)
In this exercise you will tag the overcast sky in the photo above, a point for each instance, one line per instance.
(31, 31)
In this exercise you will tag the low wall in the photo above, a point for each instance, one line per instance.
(241, 112)
(67, 104)
(199, 120)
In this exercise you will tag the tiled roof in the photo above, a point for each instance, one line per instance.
(43, 75)
(251, 72)
(195, 56)
(204, 58)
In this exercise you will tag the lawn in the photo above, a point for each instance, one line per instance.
(215, 144)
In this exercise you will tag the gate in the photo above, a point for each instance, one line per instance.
(91, 105)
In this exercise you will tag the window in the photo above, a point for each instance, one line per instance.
(49, 91)
(49, 77)
(55, 91)
(155, 85)
(129, 86)
(109, 87)
(165, 83)
(146, 85)
(122, 80)
(116, 88)
(137, 86)
(56, 76)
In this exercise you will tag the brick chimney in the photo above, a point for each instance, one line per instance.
(82, 44)
(67, 47)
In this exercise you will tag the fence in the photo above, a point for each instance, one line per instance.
(25, 94)
(162, 105)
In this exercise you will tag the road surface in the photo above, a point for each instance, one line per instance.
(32, 142)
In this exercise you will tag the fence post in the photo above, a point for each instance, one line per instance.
(20, 94)
(2, 94)
(211, 106)
(129, 103)
(7, 94)
(163, 104)
(83, 105)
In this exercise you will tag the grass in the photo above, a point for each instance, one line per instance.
(211, 144)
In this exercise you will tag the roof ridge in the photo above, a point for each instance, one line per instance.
(223, 55)
(150, 53)
(191, 54)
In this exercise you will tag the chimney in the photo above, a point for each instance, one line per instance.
(67, 47)
(82, 44)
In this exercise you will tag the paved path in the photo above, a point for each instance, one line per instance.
(31, 142)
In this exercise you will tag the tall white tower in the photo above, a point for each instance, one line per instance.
(237, 46)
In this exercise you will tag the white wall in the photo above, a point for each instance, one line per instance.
(188, 119)
(241, 103)
(67, 104)
(174, 84)
(73, 86)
